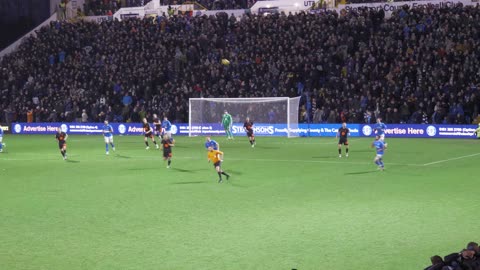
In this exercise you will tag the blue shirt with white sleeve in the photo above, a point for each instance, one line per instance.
(211, 143)
(380, 128)
(166, 125)
(107, 130)
(379, 147)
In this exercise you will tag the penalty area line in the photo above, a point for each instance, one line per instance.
(310, 143)
(450, 159)
(318, 161)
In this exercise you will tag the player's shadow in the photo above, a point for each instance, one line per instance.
(180, 146)
(121, 156)
(189, 182)
(182, 170)
(72, 161)
(235, 184)
(142, 169)
(363, 172)
(327, 156)
(235, 172)
(267, 147)
(363, 151)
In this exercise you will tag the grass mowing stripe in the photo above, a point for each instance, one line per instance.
(232, 159)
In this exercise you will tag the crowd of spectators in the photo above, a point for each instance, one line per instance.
(108, 7)
(419, 66)
(467, 259)
(221, 4)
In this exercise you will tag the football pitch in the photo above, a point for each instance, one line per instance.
(290, 204)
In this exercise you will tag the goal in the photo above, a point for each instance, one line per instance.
(278, 113)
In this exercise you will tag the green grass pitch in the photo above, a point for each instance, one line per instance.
(290, 203)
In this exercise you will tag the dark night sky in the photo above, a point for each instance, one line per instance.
(17, 17)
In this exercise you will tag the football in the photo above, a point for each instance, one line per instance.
(225, 62)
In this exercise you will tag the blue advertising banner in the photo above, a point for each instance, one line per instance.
(422, 131)
(76, 128)
(260, 129)
(263, 129)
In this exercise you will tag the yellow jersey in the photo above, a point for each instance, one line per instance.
(214, 155)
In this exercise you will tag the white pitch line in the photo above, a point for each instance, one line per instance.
(320, 161)
(450, 159)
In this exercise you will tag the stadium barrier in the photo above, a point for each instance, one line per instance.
(260, 129)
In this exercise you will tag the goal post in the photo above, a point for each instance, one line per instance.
(279, 114)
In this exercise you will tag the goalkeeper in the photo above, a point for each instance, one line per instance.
(477, 131)
(227, 124)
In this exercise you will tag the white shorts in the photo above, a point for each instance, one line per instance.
(379, 156)
(108, 139)
(169, 133)
(1, 139)
(382, 137)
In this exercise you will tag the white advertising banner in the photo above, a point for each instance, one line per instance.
(390, 7)
(284, 5)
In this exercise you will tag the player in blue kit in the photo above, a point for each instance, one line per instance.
(108, 135)
(167, 127)
(1, 139)
(380, 129)
(379, 148)
(212, 143)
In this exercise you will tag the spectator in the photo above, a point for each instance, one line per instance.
(465, 259)
(84, 116)
(437, 263)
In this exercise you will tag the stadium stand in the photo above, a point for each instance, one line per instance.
(419, 66)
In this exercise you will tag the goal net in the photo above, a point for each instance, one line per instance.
(272, 113)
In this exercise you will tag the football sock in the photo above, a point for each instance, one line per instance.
(63, 153)
(155, 142)
(339, 151)
(1, 145)
(146, 143)
(224, 173)
(169, 162)
(106, 147)
(113, 145)
(377, 162)
(251, 142)
(220, 175)
(346, 150)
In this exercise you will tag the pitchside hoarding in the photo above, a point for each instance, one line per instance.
(392, 6)
(260, 129)
(6, 129)
(422, 131)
